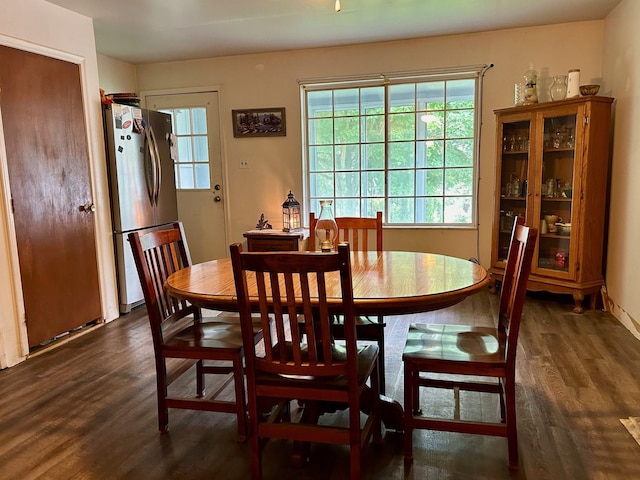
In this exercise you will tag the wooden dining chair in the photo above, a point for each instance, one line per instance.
(362, 234)
(310, 368)
(472, 351)
(182, 338)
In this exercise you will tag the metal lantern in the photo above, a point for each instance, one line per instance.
(291, 214)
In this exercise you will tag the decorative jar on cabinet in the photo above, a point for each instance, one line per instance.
(558, 90)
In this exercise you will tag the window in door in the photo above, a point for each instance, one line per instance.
(404, 146)
(192, 162)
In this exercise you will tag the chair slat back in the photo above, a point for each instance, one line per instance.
(358, 232)
(290, 286)
(514, 284)
(157, 255)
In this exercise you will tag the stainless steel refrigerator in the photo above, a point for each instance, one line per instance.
(142, 185)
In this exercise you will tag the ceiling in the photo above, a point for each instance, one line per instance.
(147, 31)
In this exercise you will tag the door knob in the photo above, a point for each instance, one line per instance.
(87, 208)
(217, 187)
(217, 198)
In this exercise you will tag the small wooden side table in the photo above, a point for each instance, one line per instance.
(269, 240)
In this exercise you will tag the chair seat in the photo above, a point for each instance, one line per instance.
(209, 335)
(366, 329)
(366, 356)
(232, 320)
(454, 343)
(361, 321)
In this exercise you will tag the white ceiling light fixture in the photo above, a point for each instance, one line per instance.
(338, 7)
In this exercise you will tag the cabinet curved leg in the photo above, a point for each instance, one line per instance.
(578, 298)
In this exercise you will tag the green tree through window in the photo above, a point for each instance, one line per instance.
(404, 147)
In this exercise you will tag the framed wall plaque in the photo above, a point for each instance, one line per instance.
(259, 122)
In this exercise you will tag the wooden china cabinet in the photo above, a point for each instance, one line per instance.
(552, 168)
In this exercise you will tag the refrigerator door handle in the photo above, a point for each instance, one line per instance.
(155, 154)
(150, 166)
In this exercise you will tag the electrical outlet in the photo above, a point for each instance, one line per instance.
(244, 163)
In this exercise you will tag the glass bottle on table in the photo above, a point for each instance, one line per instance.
(326, 226)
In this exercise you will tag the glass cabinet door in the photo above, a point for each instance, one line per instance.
(514, 180)
(556, 183)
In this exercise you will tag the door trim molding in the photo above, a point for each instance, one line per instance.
(13, 347)
(41, 50)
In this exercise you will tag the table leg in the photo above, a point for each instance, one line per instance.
(391, 412)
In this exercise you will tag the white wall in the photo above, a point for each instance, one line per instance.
(116, 76)
(38, 26)
(271, 80)
(621, 69)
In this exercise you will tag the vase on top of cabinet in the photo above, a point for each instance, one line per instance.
(552, 166)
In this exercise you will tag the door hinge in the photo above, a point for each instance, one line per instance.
(586, 120)
(577, 266)
(13, 209)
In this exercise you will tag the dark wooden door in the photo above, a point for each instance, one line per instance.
(48, 163)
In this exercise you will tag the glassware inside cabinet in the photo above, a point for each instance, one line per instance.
(513, 182)
(557, 193)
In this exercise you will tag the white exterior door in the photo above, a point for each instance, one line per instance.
(199, 172)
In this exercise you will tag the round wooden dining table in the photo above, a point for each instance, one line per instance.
(384, 283)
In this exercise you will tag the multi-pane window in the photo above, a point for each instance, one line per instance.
(192, 163)
(407, 148)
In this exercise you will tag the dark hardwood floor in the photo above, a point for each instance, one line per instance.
(87, 410)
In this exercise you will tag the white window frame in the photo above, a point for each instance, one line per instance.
(193, 163)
